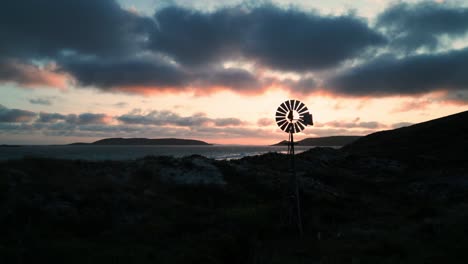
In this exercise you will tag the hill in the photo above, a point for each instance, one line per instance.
(323, 141)
(145, 141)
(444, 138)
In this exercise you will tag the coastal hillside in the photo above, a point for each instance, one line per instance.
(323, 141)
(145, 141)
(444, 138)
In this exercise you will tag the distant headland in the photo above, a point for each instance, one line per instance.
(145, 141)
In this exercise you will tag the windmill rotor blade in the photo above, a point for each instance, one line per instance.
(304, 108)
(299, 106)
(281, 109)
(301, 126)
(284, 106)
(283, 126)
(295, 102)
(280, 114)
(281, 122)
(296, 127)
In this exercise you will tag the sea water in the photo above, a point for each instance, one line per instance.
(93, 152)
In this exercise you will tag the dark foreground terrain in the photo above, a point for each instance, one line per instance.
(360, 205)
(357, 209)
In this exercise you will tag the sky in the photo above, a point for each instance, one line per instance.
(79, 71)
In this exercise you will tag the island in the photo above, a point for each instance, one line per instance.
(145, 141)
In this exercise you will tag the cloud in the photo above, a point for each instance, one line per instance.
(325, 132)
(29, 75)
(422, 25)
(50, 117)
(47, 28)
(99, 44)
(304, 85)
(133, 124)
(411, 75)
(8, 115)
(120, 104)
(107, 74)
(74, 119)
(41, 101)
(87, 118)
(265, 121)
(168, 118)
(238, 80)
(156, 75)
(285, 39)
(356, 123)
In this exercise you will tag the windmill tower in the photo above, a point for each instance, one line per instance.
(292, 116)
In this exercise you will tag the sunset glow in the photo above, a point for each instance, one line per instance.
(217, 72)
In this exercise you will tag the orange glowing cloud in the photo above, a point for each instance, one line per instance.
(32, 76)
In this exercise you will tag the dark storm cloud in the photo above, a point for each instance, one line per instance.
(8, 115)
(293, 40)
(286, 39)
(194, 38)
(406, 76)
(412, 26)
(106, 74)
(235, 79)
(163, 118)
(38, 29)
(99, 44)
(156, 74)
(304, 85)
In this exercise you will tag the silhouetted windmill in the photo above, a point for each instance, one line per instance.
(292, 116)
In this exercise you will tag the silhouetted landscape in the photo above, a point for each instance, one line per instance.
(398, 196)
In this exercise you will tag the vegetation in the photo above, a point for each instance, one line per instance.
(356, 209)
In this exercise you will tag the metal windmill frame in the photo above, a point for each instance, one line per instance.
(292, 116)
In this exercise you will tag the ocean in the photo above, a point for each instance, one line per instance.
(219, 152)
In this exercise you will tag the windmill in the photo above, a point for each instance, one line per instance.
(292, 116)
